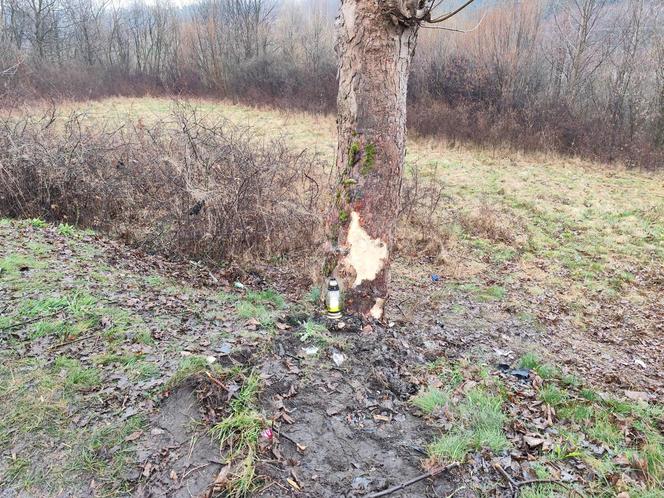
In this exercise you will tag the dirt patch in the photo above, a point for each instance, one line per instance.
(178, 458)
(348, 429)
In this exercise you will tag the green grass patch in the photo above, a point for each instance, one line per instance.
(76, 377)
(117, 359)
(226, 297)
(189, 367)
(492, 293)
(108, 454)
(67, 230)
(314, 331)
(144, 370)
(258, 312)
(452, 447)
(240, 431)
(31, 401)
(479, 423)
(14, 263)
(43, 328)
(155, 281)
(532, 362)
(552, 395)
(430, 399)
(266, 297)
(314, 295)
(603, 430)
(36, 223)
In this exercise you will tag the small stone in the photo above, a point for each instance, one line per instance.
(335, 410)
(341, 325)
(211, 360)
(360, 484)
(533, 442)
(521, 373)
(338, 358)
(310, 351)
(224, 348)
(238, 285)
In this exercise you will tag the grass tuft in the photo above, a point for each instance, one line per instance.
(430, 399)
(189, 367)
(66, 230)
(77, 378)
(240, 430)
(479, 425)
(266, 297)
(552, 395)
(315, 331)
(249, 310)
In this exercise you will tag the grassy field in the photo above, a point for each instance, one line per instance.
(540, 223)
(536, 253)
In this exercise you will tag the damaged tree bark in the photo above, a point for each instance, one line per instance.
(375, 51)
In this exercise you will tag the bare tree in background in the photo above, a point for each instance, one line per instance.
(580, 31)
(658, 52)
(376, 41)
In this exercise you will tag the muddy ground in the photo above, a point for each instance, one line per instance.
(341, 408)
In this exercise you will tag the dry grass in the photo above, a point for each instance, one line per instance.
(577, 229)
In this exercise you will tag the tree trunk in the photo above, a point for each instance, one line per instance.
(375, 54)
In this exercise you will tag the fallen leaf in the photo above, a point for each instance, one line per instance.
(222, 478)
(134, 436)
(286, 418)
(533, 442)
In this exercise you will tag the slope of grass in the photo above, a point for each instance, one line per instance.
(507, 221)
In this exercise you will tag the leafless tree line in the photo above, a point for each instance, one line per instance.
(580, 76)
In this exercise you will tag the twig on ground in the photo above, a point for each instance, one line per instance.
(513, 484)
(517, 485)
(67, 343)
(281, 434)
(432, 473)
(189, 472)
(456, 491)
(28, 322)
(219, 383)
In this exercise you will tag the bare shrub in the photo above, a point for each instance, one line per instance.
(420, 231)
(182, 186)
(488, 222)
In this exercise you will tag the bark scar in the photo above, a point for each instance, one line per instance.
(366, 256)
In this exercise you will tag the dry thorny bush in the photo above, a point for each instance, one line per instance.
(183, 186)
